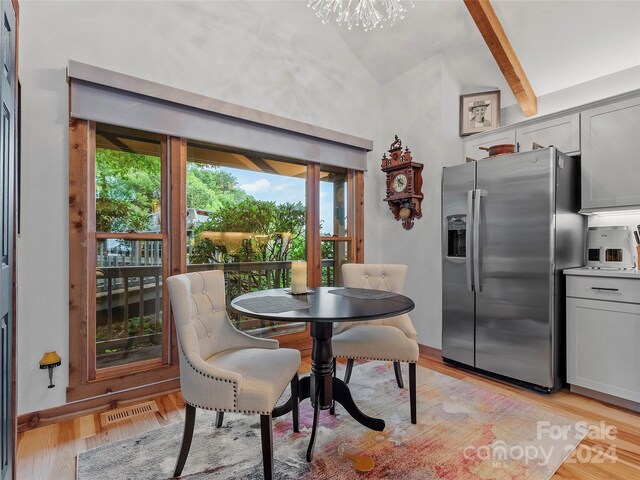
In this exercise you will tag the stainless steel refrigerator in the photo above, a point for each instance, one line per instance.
(509, 227)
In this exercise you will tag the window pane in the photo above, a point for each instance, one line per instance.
(333, 202)
(128, 185)
(246, 215)
(128, 301)
(335, 253)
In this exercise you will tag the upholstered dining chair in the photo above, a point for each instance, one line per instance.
(388, 339)
(223, 369)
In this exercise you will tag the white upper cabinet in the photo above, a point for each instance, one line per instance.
(472, 145)
(606, 135)
(562, 133)
(611, 156)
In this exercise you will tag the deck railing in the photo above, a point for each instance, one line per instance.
(125, 293)
(138, 252)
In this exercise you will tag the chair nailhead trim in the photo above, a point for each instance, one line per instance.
(206, 375)
(230, 410)
(377, 359)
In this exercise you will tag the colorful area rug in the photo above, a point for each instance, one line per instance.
(463, 432)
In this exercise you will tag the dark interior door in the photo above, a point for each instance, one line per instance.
(7, 180)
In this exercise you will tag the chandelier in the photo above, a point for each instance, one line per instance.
(367, 13)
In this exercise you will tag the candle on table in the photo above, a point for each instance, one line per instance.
(298, 277)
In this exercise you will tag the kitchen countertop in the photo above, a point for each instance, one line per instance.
(595, 272)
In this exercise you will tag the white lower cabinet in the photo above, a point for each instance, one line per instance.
(603, 338)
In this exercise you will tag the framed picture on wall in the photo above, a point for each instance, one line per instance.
(479, 112)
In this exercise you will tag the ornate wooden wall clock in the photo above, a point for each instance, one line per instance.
(404, 184)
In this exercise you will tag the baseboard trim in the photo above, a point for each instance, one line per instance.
(49, 416)
(430, 352)
(607, 398)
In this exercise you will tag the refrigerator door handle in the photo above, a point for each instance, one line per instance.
(476, 241)
(468, 243)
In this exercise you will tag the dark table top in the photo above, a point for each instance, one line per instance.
(329, 307)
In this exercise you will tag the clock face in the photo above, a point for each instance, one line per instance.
(399, 183)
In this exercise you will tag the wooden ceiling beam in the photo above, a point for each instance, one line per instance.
(491, 30)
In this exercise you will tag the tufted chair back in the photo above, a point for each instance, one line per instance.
(204, 329)
(201, 315)
(222, 368)
(387, 277)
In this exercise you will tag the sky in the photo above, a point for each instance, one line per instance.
(281, 189)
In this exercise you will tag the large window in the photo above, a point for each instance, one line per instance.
(247, 217)
(129, 242)
(336, 230)
(145, 206)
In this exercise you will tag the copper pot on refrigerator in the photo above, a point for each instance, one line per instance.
(502, 149)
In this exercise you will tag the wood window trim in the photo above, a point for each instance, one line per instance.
(177, 208)
(314, 258)
(358, 216)
(302, 340)
(84, 380)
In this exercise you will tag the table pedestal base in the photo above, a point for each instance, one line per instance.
(323, 389)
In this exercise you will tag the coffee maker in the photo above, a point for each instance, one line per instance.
(610, 248)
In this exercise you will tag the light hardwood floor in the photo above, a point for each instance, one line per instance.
(50, 452)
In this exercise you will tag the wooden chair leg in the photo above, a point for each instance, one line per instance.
(295, 401)
(332, 410)
(412, 391)
(398, 372)
(189, 422)
(219, 419)
(347, 374)
(267, 446)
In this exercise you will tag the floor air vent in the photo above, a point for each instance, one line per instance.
(119, 414)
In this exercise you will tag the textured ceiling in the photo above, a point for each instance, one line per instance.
(558, 43)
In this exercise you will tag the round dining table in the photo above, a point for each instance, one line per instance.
(321, 307)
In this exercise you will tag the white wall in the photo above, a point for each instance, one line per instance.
(450, 117)
(273, 56)
(590, 91)
(420, 106)
(567, 43)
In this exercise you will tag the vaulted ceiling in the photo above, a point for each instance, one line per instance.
(558, 43)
